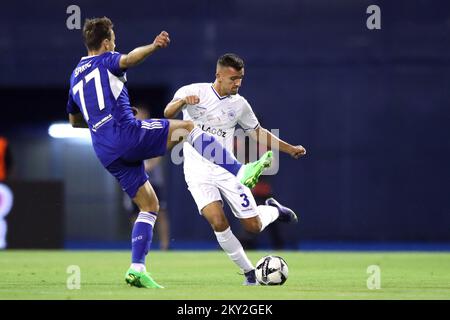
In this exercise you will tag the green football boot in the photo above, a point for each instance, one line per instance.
(140, 279)
(253, 170)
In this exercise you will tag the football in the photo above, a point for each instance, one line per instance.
(271, 270)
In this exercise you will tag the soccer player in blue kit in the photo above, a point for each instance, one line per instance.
(98, 100)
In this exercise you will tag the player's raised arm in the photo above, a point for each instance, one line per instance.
(139, 54)
(265, 137)
(174, 107)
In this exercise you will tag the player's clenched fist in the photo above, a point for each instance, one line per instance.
(191, 100)
(297, 152)
(162, 40)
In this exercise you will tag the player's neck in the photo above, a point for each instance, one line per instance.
(96, 52)
(218, 90)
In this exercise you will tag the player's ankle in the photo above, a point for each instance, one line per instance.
(139, 267)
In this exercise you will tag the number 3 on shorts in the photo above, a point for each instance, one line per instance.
(245, 198)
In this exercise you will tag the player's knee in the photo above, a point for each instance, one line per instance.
(155, 206)
(253, 226)
(152, 206)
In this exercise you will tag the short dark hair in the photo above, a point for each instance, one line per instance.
(231, 60)
(95, 31)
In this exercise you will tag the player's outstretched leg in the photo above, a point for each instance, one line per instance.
(211, 149)
(285, 214)
(141, 238)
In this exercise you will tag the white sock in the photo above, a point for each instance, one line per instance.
(231, 245)
(139, 267)
(267, 215)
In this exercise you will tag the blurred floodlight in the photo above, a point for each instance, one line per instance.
(66, 131)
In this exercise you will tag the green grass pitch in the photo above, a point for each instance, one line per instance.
(211, 275)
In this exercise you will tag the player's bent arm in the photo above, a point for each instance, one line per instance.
(173, 108)
(77, 120)
(270, 140)
(139, 54)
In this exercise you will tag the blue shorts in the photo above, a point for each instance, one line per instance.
(152, 140)
(129, 169)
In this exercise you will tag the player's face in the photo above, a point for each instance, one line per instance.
(230, 80)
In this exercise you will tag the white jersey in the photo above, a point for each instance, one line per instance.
(218, 116)
(215, 114)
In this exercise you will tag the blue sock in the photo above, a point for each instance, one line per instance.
(141, 236)
(211, 149)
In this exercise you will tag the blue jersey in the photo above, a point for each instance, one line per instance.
(98, 91)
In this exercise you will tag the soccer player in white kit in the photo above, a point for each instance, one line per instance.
(217, 108)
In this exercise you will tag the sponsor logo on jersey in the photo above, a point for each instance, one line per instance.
(101, 122)
(212, 130)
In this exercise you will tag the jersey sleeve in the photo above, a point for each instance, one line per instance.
(248, 120)
(183, 92)
(71, 105)
(111, 62)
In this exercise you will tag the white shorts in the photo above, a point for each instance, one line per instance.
(208, 182)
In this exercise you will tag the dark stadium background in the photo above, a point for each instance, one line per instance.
(372, 107)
